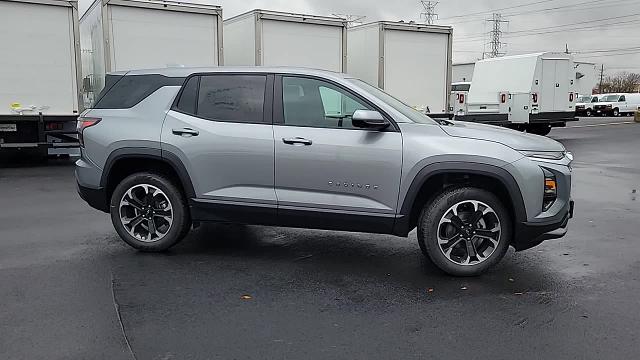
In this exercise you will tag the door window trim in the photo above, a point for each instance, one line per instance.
(267, 106)
(278, 106)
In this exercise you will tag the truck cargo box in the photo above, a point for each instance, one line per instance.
(409, 61)
(121, 35)
(39, 74)
(270, 38)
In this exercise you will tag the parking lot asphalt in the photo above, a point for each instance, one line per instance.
(70, 289)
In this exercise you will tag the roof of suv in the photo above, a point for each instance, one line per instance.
(186, 71)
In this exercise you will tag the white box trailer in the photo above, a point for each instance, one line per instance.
(462, 72)
(270, 38)
(39, 75)
(532, 92)
(409, 61)
(121, 35)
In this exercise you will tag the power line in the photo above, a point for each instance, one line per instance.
(499, 9)
(572, 7)
(532, 32)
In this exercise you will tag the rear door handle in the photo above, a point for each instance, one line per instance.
(185, 131)
(297, 140)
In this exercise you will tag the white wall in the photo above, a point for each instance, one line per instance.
(149, 38)
(37, 61)
(240, 41)
(415, 68)
(462, 72)
(301, 44)
(585, 85)
(363, 53)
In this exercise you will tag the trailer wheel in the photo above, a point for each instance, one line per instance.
(539, 129)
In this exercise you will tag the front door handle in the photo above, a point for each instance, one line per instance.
(185, 131)
(297, 140)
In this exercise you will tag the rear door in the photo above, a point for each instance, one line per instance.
(330, 174)
(562, 86)
(547, 96)
(220, 128)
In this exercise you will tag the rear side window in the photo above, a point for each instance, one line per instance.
(131, 89)
(236, 98)
(189, 96)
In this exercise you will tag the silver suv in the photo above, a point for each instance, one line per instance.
(163, 150)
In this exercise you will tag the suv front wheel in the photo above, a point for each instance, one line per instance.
(464, 231)
(149, 212)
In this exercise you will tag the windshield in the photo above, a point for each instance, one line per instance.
(610, 98)
(406, 110)
(584, 99)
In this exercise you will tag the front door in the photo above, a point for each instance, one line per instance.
(328, 172)
(221, 130)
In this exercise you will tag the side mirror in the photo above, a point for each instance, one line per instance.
(369, 119)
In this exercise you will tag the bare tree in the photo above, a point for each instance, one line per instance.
(621, 83)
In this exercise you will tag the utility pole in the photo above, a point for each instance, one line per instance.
(351, 19)
(601, 78)
(495, 43)
(429, 13)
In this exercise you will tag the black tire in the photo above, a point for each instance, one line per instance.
(539, 129)
(180, 212)
(616, 112)
(428, 227)
(588, 113)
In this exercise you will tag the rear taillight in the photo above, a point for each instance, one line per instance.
(84, 123)
(51, 126)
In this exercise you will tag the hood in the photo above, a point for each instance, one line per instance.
(514, 139)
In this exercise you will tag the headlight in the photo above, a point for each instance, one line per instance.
(547, 155)
(550, 190)
(609, 106)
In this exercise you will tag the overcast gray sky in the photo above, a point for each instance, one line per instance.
(601, 31)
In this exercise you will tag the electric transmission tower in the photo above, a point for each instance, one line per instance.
(429, 13)
(495, 35)
(351, 19)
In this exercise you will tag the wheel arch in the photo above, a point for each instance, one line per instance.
(434, 178)
(125, 161)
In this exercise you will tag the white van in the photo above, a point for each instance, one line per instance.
(618, 104)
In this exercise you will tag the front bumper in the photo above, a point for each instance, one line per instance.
(530, 234)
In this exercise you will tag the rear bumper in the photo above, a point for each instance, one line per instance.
(530, 234)
(95, 197)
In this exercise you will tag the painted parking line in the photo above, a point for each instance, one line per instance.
(594, 125)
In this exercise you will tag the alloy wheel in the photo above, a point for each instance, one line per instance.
(469, 232)
(146, 212)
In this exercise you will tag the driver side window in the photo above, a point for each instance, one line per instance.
(315, 103)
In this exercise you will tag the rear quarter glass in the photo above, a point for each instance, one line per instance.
(129, 90)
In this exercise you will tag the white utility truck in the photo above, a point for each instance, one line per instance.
(270, 38)
(39, 76)
(121, 35)
(532, 92)
(412, 62)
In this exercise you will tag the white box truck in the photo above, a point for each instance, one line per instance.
(270, 38)
(532, 92)
(121, 35)
(39, 75)
(409, 61)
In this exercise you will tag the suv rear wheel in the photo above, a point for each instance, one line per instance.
(149, 212)
(464, 231)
